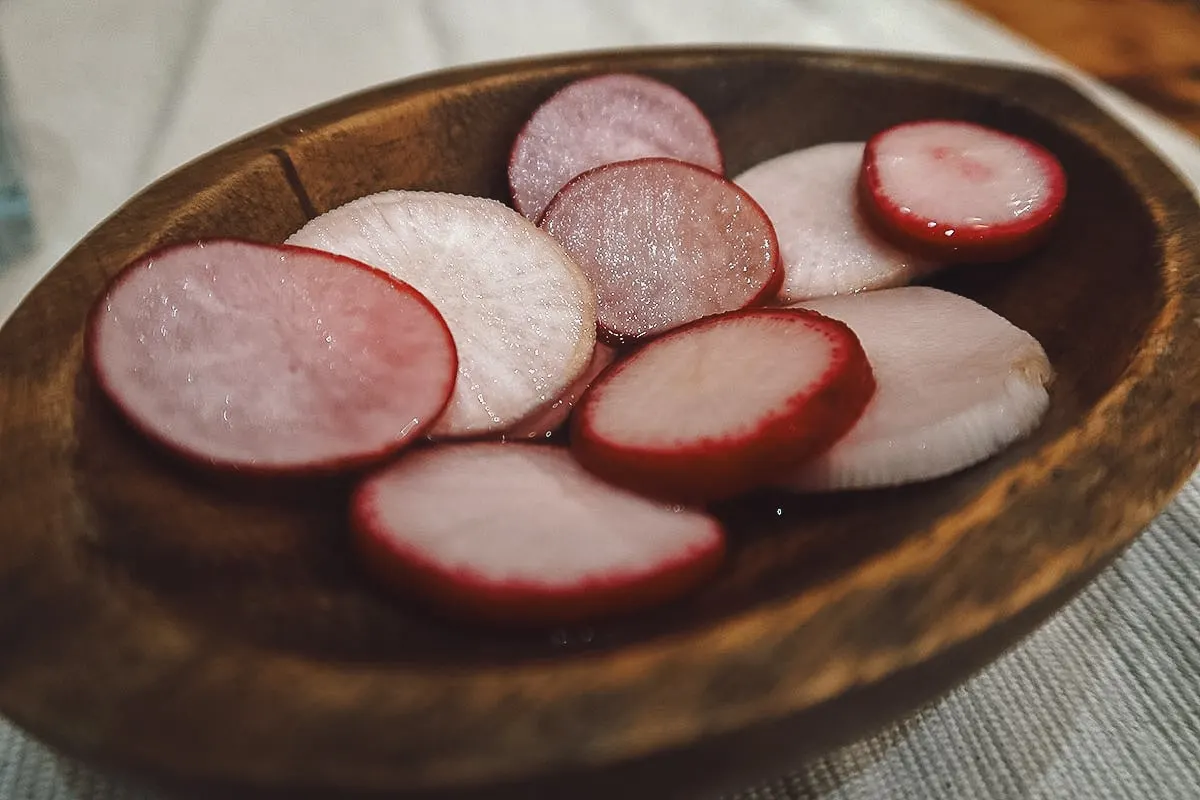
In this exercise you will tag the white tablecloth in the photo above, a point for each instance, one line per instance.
(1102, 702)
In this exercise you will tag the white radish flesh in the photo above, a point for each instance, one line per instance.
(827, 247)
(521, 312)
(270, 359)
(602, 120)
(664, 243)
(520, 533)
(956, 383)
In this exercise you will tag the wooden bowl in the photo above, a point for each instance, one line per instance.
(224, 641)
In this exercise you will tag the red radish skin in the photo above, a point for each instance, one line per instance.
(723, 405)
(665, 243)
(961, 192)
(538, 542)
(545, 423)
(602, 120)
(826, 246)
(270, 360)
(521, 311)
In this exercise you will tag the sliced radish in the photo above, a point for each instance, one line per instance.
(723, 405)
(601, 120)
(956, 384)
(270, 359)
(959, 191)
(546, 422)
(520, 533)
(521, 311)
(665, 243)
(827, 247)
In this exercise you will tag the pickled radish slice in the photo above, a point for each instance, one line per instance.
(664, 243)
(723, 405)
(959, 191)
(601, 120)
(521, 534)
(270, 359)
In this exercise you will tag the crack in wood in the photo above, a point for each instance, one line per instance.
(292, 175)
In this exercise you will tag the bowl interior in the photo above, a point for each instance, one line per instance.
(272, 569)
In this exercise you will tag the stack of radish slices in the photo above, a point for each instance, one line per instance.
(689, 337)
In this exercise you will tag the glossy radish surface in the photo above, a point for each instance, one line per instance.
(960, 191)
(956, 383)
(723, 405)
(544, 423)
(664, 243)
(828, 248)
(520, 533)
(601, 120)
(270, 359)
(521, 312)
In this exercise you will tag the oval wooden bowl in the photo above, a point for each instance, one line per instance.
(222, 638)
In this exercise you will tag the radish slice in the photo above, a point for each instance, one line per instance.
(521, 533)
(723, 405)
(664, 243)
(602, 120)
(545, 423)
(956, 384)
(827, 247)
(960, 191)
(270, 359)
(521, 311)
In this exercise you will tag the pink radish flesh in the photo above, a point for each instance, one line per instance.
(827, 247)
(956, 383)
(960, 191)
(664, 243)
(546, 422)
(270, 359)
(601, 120)
(721, 406)
(521, 311)
(520, 533)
